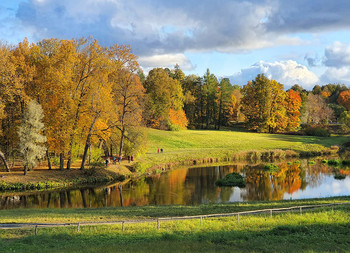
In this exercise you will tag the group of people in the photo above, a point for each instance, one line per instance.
(160, 150)
(108, 159)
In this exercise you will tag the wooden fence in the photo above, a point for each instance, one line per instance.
(163, 219)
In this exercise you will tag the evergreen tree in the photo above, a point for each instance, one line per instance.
(31, 137)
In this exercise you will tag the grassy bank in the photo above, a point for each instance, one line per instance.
(185, 148)
(226, 145)
(320, 230)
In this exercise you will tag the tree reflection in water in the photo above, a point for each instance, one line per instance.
(188, 187)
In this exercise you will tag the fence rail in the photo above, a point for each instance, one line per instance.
(176, 218)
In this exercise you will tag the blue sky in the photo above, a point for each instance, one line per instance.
(300, 41)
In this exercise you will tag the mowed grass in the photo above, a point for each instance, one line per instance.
(196, 144)
(318, 230)
(66, 215)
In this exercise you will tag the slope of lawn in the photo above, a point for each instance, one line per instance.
(195, 144)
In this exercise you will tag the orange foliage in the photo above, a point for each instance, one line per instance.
(325, 94)
(293, 104)
(178, 118)
(344, 99)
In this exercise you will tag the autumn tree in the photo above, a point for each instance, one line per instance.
(263, 104)
(293, 104)
(7, 71)
(344, 99)
(55, 61)
(19, 74)
(88, 69)
(128, 92)
(234, 108)
(164, 93)
(317, 111)
(31, 136)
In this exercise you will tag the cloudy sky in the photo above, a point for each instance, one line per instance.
(300, 41)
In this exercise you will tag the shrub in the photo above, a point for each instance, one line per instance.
(232, 179)
(339, 176)
(271, 168)
(346, 162)
(317, 131)
(311, 162)
(324, 161)
(334, 162)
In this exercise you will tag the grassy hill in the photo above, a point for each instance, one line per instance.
(196, 144)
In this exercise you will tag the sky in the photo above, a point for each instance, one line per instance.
(305, 42)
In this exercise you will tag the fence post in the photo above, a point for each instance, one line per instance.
(158, 223)
(36, 229)
(301, 211)
(201, 220)
(123, 226)
(78, 226)
(238, 217)
(270, 213)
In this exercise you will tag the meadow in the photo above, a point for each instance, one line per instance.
(317, 230)
(224, 145)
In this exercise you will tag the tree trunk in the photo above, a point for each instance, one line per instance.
(48, 159)
(220, 113)
(87, 143)
(61, 161)
(121, 145)
(2, 157)
(75, 124)
(25, 169)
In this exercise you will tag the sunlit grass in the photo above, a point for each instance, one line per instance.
(145, 212)
(324, 229)
(196, 144)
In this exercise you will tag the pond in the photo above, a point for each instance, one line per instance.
(192, 186)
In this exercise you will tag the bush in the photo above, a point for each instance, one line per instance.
(311, 162)
(346, 162)
(271, 168)
(324, 161)
(334, 162)
(339, 176)
(231, 180)
(317, 131)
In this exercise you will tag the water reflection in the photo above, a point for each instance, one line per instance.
(195, 186)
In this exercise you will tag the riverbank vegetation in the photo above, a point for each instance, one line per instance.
(287, 232)
(93, 103)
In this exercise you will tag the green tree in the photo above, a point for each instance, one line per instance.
(164, 93)
(225, 92)
(210, 94)
(31, 136)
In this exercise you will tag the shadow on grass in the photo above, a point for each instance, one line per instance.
(325, 141)
(286, 238)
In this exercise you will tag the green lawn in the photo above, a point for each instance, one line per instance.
(319, 230)
(196, 144)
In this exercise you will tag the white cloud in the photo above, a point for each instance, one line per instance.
(285, 72)
(337, 55)
(165, 61)
(336, 75)
(337, 62)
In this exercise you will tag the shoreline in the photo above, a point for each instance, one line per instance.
(44, 179)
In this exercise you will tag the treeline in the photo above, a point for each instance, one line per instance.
(80, 93)
(73, 98)
(261, 105)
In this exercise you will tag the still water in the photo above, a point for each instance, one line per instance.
(197, 185)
